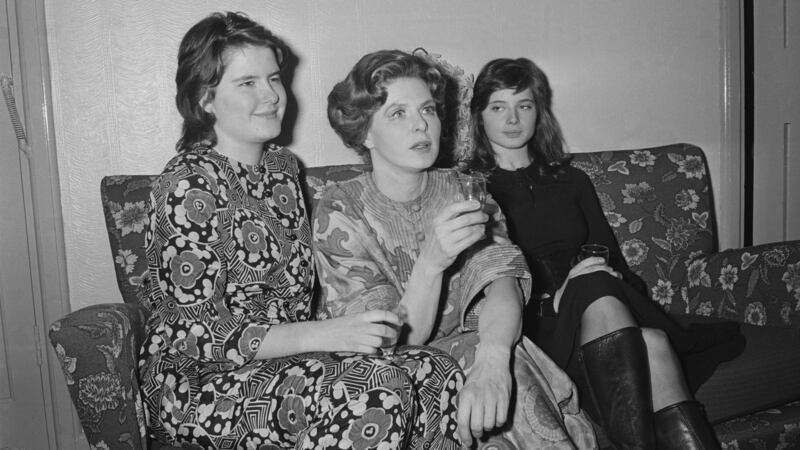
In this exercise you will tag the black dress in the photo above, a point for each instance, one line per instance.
(550, 216)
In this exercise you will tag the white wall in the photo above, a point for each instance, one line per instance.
(626, 74)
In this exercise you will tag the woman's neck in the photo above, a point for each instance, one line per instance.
(512, 159)
(399, 186)
(244, 153)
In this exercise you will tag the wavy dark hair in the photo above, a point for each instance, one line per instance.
(354, 100)
(201, 64)
(546, 148)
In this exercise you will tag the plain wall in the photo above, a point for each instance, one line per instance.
(626, 74)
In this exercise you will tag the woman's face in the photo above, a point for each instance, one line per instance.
(509, 119)
(250, 99)
(404, 133)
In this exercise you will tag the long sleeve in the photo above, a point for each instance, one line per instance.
(494, 257)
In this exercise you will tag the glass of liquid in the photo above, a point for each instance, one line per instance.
(389, 345)
(590, 250)
(472, 187)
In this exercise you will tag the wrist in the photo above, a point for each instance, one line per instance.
(308, 336)
(493, 351)
(427, 269)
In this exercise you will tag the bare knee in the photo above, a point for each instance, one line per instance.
(659, 349)
(605, 315)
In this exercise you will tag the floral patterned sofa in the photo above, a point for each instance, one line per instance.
(658, 201)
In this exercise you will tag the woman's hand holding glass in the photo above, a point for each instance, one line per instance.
(454, 229)
(365, 332)
(592, 257)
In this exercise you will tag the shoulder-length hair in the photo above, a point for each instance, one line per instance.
(354, 100)
(546, 148)
(201, 64)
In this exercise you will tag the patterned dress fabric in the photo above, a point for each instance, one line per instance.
(365, 247)
(229, 257)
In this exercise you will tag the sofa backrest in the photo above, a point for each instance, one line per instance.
(125, 202)
(658, 201)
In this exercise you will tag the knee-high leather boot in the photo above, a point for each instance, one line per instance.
(617, 374)
(683, 426)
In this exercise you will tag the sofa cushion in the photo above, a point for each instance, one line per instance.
(762, 377)
(774, 428)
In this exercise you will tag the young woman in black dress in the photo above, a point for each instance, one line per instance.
(594, 318)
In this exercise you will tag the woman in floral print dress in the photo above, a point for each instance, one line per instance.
(592, 319)
(397, 235)
(231, 359)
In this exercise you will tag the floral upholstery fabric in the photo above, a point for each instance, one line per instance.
(659, 204)
(125, 200)
(658, 201)
(98, 347)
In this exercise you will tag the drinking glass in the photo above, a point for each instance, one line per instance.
(589, 250)
(472, 187)
(388, 346)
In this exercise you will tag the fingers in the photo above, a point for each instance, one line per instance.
(501, 414)
(455, 241)
(364, 344)
(382, 316)
(476, 421)
(489, 417)
(369, 331)
(588, 262)
(464, 227)
(458, 208)
(469, 218)
(592, 264)
(477, 416)
(464, 413)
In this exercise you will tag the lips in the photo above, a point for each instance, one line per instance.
(512, 134)
(267, 114)
(421, 145)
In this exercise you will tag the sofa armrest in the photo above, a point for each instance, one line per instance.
(98, 348)
(758, 285)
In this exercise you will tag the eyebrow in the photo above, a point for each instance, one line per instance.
(508, 101)
(389, 106)
(251, 76)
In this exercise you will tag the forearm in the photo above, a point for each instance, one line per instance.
(292, 338)
(500, 320)
(421, 301)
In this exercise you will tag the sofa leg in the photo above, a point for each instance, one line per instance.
(683, 426)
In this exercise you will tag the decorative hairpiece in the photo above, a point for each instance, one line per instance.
(457, 128)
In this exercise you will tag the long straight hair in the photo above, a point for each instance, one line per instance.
(546, 147)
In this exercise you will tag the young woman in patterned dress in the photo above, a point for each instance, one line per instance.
(398, 235)
(231, 359)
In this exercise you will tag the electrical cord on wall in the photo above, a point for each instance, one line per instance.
(7, 85)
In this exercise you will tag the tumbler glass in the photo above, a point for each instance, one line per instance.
(472, 187)
(589, 250)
